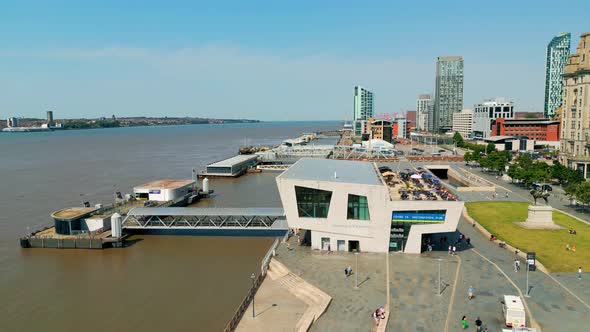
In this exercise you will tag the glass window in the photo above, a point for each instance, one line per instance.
(62, 227)
(358, 207)
(312, 203)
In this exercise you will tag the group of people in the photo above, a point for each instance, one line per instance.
(478, 324)
(568, 248)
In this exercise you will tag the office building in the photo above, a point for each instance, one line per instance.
(50, 122)
(363, 110)
(463, 123)
(575, 114)
(448, 97)
(401, 128)
(381, 129)
(423, 107)
(488, 111)
(12, 122)
(558, 51)
(347, 206)
(537, 129)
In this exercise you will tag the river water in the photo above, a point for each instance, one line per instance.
(161, 283)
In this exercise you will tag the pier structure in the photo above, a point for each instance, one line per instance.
(207, 221)
(231, 167)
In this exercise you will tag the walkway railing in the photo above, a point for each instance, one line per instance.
(233, 323)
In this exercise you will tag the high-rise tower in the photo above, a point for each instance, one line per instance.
(558, 52)
(449, 91)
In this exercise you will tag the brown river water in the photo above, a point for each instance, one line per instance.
(161, 283)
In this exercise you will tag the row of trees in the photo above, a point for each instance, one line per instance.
(524, 169)
(485, 155)
(579, 191)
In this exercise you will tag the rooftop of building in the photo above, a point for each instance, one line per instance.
(165, 184)
(530, 121)
(233, 160)
(72, 213)
(344, 171)
(499, 138)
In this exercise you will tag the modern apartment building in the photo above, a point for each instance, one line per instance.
(558, 51)
(488, 111)
(363, 110)
(449, 91)
(463, 123)
(423, 108)
(575, 115)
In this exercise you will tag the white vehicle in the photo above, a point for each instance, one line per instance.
(520, 329)
(513, 310)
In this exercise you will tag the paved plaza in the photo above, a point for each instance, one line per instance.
(557, 302)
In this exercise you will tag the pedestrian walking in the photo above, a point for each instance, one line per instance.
(468, 241)
(517, 265)
(454, 250)
(478, 324)
(464, 322)
(470, 292)
(378, 315)
(450, 250)
(580, 273)
(506, 194)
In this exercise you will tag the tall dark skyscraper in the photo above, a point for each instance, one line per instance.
(449, 91)
(558, 51)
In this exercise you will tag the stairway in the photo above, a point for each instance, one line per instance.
(317, 301)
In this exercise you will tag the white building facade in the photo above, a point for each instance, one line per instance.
(487, 111)
(347, 206)
(463, 123)
(364, 109)
(423, 112)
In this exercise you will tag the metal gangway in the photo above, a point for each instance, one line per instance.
(185, 220)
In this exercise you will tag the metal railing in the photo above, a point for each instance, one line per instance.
(233, 323)
(268, 257)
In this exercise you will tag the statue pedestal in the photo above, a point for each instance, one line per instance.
(540, 217)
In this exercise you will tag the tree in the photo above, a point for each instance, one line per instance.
(570, 191)
(490, 147)
(583, 193)
(458, 139)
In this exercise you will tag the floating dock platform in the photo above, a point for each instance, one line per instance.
(231, 167)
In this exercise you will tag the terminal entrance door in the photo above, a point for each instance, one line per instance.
(325, 243)
(398, 236)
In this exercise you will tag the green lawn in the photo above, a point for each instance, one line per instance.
(499, 217)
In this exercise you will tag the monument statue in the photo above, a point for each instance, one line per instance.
(539, 216)
(536, 193)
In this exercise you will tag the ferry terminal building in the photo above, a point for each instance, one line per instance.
(347, 206)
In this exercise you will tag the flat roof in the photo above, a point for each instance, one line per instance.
(346, 171)
(498, 138)
(165, 184)
(187, 211)
(72, 213)
(233, 160)
(529, 121)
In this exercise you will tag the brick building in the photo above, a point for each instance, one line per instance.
(537, 129)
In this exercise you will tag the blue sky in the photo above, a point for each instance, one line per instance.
(269, 60)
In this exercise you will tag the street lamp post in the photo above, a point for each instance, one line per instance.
(356, 274)
(439, 260)
(526, 294)
(253, 277)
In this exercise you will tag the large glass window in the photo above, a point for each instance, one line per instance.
(62, 227)
(358, 208)
(312, 203)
